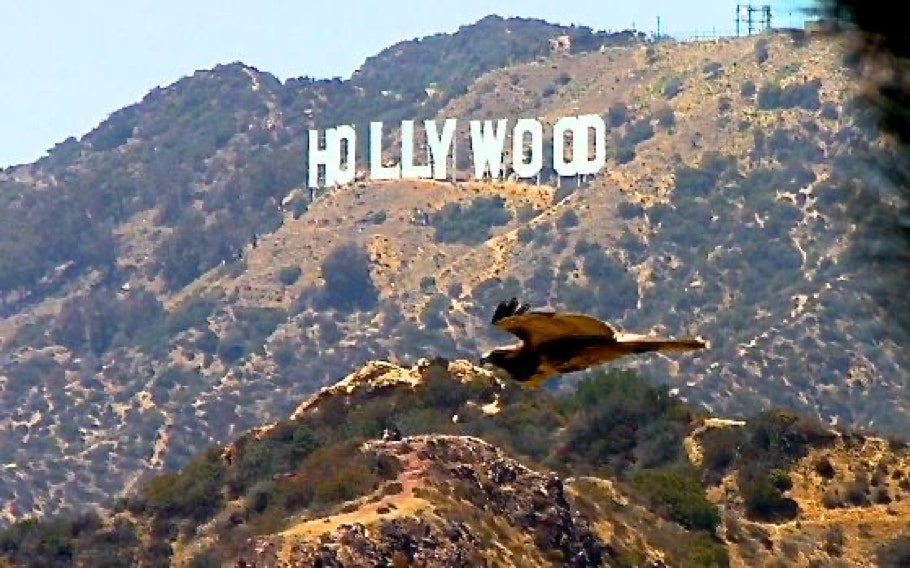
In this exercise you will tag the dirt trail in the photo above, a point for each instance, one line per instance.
(403, 503)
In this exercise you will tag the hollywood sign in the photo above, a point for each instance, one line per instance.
(337, 154)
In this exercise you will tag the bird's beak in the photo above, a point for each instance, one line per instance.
(486, 365)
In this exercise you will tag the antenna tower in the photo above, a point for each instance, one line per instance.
(756, 18)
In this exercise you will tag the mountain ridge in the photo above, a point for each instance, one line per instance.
(325, 487)
(180, 300)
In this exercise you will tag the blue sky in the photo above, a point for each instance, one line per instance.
(66, 66)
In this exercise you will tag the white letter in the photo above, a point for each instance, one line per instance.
(580, 163)
(347, 133)
(584, 166)
(324, 156)
(535, 129)
(487, 147)
(377, 170)
(409, 169)
(563, 168)
(440, 145)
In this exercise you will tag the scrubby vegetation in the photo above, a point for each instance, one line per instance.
(347, 284)
(316, 463)
(728, 249)
(471, 224)
(761, 453)
(178, 131)
(802, 95)
(250, 328)
(617, 115)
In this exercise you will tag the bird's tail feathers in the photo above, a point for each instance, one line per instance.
(660, 344)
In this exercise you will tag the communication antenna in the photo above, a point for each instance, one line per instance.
(746, 13)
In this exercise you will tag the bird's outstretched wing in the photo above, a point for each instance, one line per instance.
(537, 326)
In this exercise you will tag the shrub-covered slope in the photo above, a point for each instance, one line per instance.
(190, 290)
(442, 465)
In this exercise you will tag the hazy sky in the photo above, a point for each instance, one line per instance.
(65, 66)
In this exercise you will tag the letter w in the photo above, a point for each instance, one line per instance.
(487, 146)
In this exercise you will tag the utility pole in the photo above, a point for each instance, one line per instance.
(454, 160)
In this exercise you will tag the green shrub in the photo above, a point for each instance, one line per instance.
(895, 552)
(702, 550)
(638, 132)
(525, 213)
(797, 95)
(832, 499)
(378, 218)
(665, 117)
(678, 495)
(433, 314)
(834, 541)
(761, 51)
(828, 111)
(348, 283)
(720, 446)
(625, 153)
(763, 496)
(712, 70)
(747, 88)
(470, 224)
(289, 274)
(193, 493)
(191, 313)
(610, 412)
(824, 467)
(618, 114)
(208, 558)
(567, 220)
(672, 86)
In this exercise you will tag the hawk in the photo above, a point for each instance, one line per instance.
(553, 343)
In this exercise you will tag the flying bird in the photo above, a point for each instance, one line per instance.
(554, 343)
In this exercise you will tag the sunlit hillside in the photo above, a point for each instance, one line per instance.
(190, 290)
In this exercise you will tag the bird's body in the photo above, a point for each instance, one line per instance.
(554, 343)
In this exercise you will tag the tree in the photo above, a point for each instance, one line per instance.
(348, 284)
(618, 114)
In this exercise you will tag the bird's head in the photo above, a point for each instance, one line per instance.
(496, 360)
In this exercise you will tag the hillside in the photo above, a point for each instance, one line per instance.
(440, 465)
(190, 291)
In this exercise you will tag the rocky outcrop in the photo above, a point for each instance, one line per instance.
(469, 485)
(532, 502)
(379, 376)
